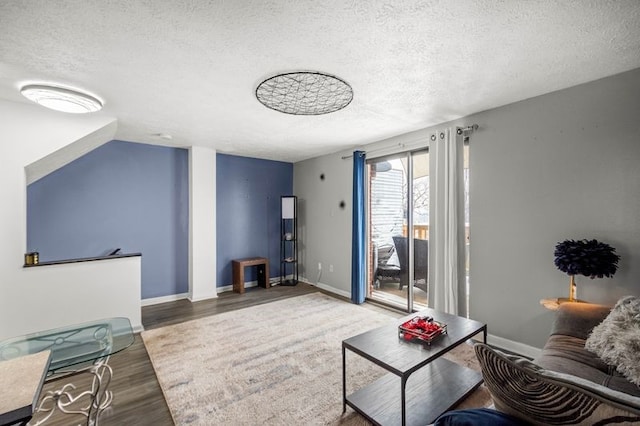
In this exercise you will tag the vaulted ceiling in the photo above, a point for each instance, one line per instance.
(190, 68)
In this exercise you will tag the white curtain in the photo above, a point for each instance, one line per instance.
(446, 230)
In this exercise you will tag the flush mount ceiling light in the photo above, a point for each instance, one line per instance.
(61, 99)
(304, 93)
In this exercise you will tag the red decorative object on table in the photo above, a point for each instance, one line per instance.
(422, 329)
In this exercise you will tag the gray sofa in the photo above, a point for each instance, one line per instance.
(566, 384)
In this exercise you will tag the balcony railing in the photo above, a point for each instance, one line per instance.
(419, 231)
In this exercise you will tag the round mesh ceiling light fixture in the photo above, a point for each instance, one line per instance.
(304, 93)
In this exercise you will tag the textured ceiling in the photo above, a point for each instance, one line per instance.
(190, 68)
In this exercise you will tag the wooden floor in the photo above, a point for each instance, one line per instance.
(138, 399)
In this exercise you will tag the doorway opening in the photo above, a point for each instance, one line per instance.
(398, 231)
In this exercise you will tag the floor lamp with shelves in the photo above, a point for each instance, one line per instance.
(289, 240)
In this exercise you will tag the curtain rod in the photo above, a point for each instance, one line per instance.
(459, 130)
(471, 128)
(400, 144)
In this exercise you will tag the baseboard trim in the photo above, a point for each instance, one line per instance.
(272, 282)
(248, 284)
(206, 297)
(497, 341)
(513, 346)
(164, 299)
(333, 290)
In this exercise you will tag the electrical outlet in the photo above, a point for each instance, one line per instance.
(319, 266)
(330, 268)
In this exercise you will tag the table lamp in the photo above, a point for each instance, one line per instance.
(590, 258)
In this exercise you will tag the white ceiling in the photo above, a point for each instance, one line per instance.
(190, 68)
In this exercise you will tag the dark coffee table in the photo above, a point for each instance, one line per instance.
(436, 384)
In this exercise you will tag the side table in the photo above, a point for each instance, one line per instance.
(554, 303)
(238, 265)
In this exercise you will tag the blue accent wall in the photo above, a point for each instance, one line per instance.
(248, 211)
(121, 195)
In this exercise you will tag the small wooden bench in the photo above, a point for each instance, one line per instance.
(262, 264)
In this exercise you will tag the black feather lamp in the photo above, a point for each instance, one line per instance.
(590, 258)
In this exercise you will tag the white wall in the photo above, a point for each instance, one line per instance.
(71, 152)
(77, 292)
(202, 223)
(29, 133)
(562, 165)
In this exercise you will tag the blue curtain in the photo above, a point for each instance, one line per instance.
(358, 263)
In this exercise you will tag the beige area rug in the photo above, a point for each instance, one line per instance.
(279, 363)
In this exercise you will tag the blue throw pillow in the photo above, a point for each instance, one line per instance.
(477, 417)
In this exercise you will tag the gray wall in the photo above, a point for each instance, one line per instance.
(324, 227)
(562, 165)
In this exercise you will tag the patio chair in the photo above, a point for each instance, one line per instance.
(420, 263)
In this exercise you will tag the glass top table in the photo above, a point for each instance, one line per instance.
(73, 346)
(75, 349)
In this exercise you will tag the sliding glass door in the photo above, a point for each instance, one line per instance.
(398, 202)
